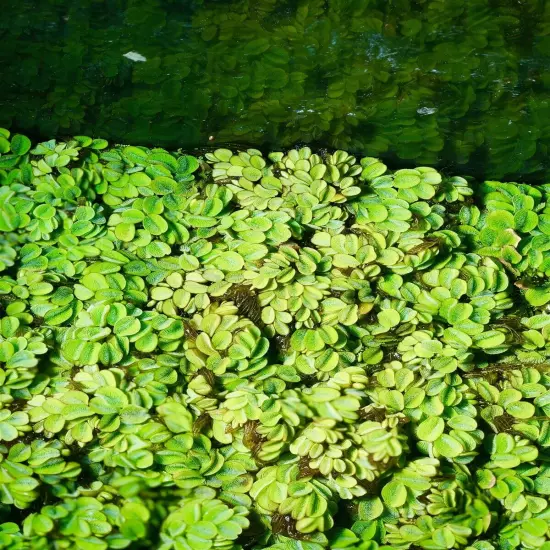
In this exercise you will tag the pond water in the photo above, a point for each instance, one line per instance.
(458, 84)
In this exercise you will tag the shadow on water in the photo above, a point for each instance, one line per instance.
(460, 85)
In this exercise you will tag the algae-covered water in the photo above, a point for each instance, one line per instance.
(458, 84)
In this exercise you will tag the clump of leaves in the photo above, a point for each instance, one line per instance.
(298, 351)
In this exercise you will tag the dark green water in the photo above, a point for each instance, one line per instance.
(460, 84)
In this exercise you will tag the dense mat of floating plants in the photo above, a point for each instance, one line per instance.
(291, 352)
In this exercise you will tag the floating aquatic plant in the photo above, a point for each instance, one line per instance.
(299, 351)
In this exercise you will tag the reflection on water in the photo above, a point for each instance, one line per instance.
(463, 85)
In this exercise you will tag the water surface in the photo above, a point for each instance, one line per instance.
(463, 85)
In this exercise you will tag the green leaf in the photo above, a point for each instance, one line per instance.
(521, 409)
(394, 494)
(448, 446)
(155, 224)
(542, 485)
(58, 316)
(525, 220)
(343, 261)
(23, 359)
(462, 422)
(389, 318)
(136, 155)
(489, 339)
(177, 418)
(4, 145)
(500, 220)
(133, 414)
(99, 144)
(187, 164)
(9, 218)
(229, 261)
(370, 508)
(313, 341)
(430, 429)
(7, 432)
(252, 174)
(203, 530)
(40, 524)
(539, 296)
(20, 145)
(8, 161)
(108, 400)
(127, 326)
(373, 171)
